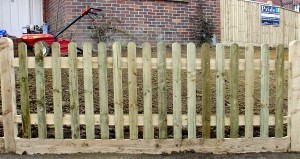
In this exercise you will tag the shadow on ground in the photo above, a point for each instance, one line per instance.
(172, 156)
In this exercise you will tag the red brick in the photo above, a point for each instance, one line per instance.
(164, 17)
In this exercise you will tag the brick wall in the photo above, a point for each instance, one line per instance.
(290, 3)
(147, 20)
(45, 6)
(16, 42)
(55, 15)
(274, 2)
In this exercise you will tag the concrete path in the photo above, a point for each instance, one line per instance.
(172, 156)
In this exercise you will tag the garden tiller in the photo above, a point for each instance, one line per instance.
(48, 39)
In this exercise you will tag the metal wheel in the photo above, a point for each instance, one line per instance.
(46, 49)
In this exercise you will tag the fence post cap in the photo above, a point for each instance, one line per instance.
(294, 42)
(5, 42)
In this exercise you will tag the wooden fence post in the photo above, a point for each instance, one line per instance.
(57, 93)
(264, 101)
(24, 90)
(206, 92)
(88, 91)
(147, 92)
(118, 91)
(162, 90)
(220, 91)
(132, 91)
(177, 106)
(73, 90)
(249, 90)
(191, 90)
(294, 92)
(103, 93)
(40, 90)
(234, 85)
(8, 96)
(279, 91)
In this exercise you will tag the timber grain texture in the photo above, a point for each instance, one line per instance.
(114, 125)
(216, 146)
(241, 23)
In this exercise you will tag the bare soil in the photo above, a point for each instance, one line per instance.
(66, 110)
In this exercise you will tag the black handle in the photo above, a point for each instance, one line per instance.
(97, 9)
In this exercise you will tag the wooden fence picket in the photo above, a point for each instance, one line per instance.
(103, 91)
(264, 125)
(57, 91)
(162, 89)
(279, 91)
(249, 90)
(290, 91)
(73, 90)
(234, 87)
(118, 95)
(8, 96)
(191, 89)
(40, 90)
(177, 107)
(147, 91)
(294, 93)
(24, 90)
(220, 91)
(206, 90)
(88, 91)
(132, 91)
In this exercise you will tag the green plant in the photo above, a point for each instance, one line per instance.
(202, 27)
(106, 30)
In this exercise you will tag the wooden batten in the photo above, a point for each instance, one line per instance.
(294, 92)
(154, 63)
(57, 93)
(88, 91)
(8, 95)
(191, 88)
(177, 102)
(220, 91)
(40, 90)
(234, 85)
(167, 146)
(147, 92)
(73, 91)
(103, 91)
(155, 117)
(249, 91)
(118, 95)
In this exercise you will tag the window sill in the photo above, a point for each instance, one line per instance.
(179, 0)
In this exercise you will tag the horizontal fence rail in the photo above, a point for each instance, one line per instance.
(154, 63)
(118, 128)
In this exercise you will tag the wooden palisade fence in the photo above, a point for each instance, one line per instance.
(164, 144)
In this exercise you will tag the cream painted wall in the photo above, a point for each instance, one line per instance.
(15, 14)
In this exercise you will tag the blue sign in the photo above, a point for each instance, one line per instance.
(270, 15)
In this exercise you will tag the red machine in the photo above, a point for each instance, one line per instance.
(48, 39)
